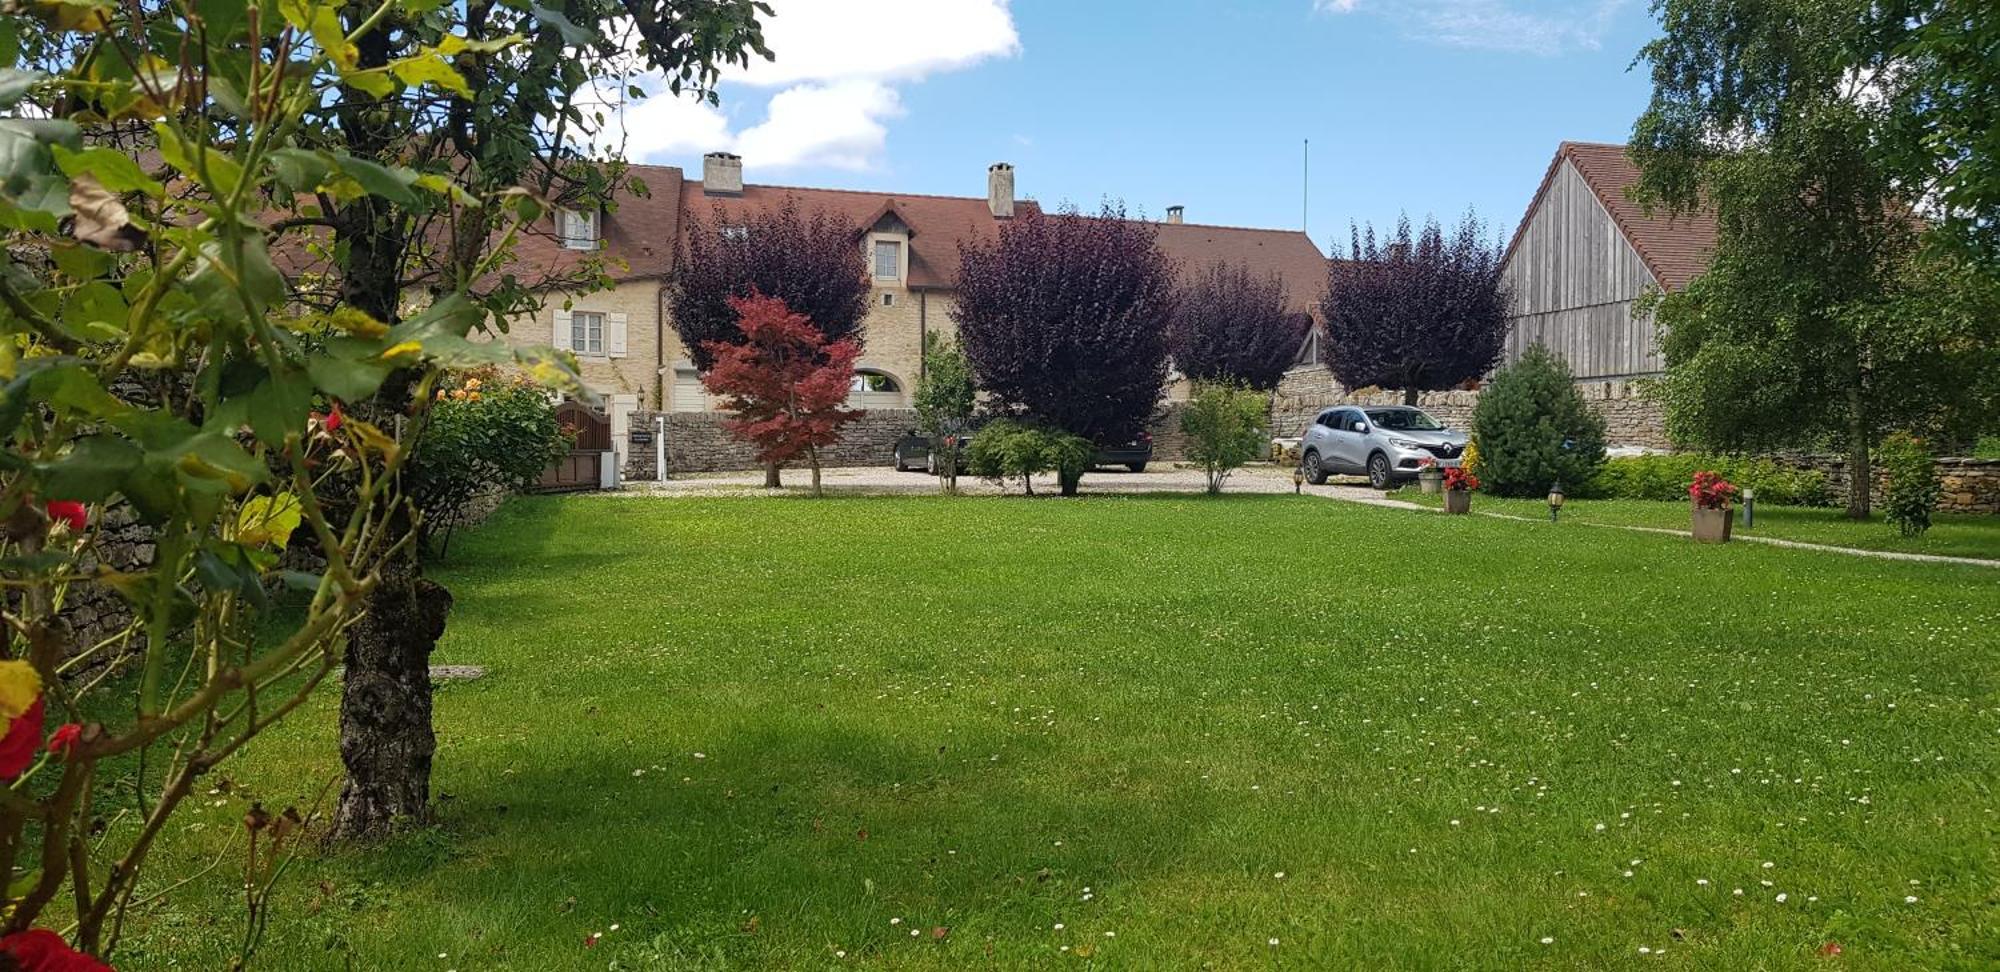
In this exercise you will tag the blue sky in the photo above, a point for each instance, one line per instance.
(1425, 106)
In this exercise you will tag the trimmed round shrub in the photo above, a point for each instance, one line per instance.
(1006, 449)
(1534, 429)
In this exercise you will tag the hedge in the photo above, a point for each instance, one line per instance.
(1666, 477)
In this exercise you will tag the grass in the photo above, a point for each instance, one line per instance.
(1154, 733)
(1951, 534)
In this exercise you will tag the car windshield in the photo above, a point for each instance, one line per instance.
(1403, 420)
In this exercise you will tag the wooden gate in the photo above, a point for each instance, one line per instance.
(590, 455)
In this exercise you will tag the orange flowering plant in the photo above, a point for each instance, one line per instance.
(157, 376)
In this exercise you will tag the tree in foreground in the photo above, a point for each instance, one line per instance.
(158, 372)
(1418, 314)
(1534, 429)
(1818, 317)
(786, 383)
(1224, 424)
(1943, 97)
(944, 401)
(1234, 326)
(1061, 316)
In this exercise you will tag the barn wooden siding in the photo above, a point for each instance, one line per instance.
(1574, 279)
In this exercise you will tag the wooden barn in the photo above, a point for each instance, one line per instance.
(1582, 255)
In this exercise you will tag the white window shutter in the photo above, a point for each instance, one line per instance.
(614, 335)
(561, 340)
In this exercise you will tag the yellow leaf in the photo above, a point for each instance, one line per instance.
(19, 688)
(268, 519)
(422, 70)
(373, 440)
(358, 323)
(403, 348)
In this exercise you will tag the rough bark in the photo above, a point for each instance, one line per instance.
(1067, 483)
(1860, 478)
(386, 740)
(771, 476)
(1410, 396)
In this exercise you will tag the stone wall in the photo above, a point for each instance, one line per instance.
(1970, 485)
(1630, 418)
(697, 442)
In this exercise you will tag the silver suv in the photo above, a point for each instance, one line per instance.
(1385, 443)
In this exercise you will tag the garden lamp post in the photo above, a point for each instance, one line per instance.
(1298, 477)
(1749, 506)
(1555, 500)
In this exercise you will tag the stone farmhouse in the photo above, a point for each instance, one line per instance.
(625, 342)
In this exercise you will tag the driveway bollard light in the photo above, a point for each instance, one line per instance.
(1298, 478)
(1555, 500)
(1749, 514)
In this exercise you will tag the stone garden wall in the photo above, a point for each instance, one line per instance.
(1970, 485)
(697, 442)
(1630, 418)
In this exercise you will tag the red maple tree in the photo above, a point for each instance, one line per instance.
(786, 382)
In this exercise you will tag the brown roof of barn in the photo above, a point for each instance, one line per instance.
(1675, 248)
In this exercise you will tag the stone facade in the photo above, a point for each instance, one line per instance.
(1969, 485)
(1630, 418)
(634, 373)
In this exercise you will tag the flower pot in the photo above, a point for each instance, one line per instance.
(1711, 526)
(1458, 501)
(1431, 479)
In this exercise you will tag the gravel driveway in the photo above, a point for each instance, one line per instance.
(884, 481)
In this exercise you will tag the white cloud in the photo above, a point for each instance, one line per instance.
(1540, 27)
(887, 40)
(840, 124)
(837, 66)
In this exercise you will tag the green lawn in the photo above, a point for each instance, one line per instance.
(1255, 732)
(1951, 535)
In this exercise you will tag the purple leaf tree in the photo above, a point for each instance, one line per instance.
(1234, 326)
(1422, 314)
(1063, 317)
(812, 262)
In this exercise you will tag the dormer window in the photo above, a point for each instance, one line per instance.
(578, 228)
(888, 260)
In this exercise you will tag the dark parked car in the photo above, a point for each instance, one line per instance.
(1133, 455)
(914, 450)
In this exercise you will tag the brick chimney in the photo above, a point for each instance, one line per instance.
(1174, 213)
(721, 174)
(1000, 190)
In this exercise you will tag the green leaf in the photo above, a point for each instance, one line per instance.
(268, 519)
(345, 378)
(277, 408)
(300, 170)
(114, 170)
(91, 471)
(15, 83)
(391, 183)
(571, 34)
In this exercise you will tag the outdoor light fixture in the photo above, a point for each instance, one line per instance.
(1555, 500)
(1749, 506)
(1298, 477)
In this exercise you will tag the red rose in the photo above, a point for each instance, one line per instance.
(22, 742)
(63, 741)
(41, 950)
(70, 512)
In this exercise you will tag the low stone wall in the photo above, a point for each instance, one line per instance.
(697, 442)
(1630, 418)
(1969, 485)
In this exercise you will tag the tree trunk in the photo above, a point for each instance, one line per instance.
(1410, 397)
(812, 456)
(771, 476)
(1068, 481)
(386, 740)
(1860, 477)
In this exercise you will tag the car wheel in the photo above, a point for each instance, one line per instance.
(1136, 466)
(1378, 471)
(899, 465)
(1315, 473)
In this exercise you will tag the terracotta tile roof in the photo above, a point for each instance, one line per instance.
(1288, 253)
(638, 237)
(937, 223)
(1676, 249)
(642, 231)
